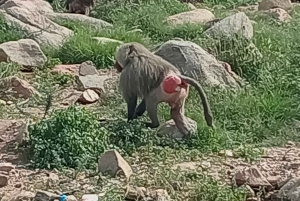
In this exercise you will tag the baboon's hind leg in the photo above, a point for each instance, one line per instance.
(141, 108)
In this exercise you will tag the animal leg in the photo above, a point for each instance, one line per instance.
(131, 105)
(151, 108)
(141, 108)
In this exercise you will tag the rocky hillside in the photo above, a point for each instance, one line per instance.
(63, 129)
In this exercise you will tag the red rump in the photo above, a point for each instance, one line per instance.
(170, 83)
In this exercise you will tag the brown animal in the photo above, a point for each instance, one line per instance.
(83, 7)
(155, 80)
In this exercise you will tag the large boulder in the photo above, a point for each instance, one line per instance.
(238, 23)
(25, 52)
(198, 16)
(90, 21)
(36, 26)
(195, 62)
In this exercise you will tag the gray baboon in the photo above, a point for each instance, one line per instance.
(83, 7)
(155, 80)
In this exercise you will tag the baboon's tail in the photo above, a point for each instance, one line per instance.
(207, 112)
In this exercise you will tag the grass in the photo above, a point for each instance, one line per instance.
(256, 116)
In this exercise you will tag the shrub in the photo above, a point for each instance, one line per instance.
(9, 33)
(9, 69)
(71, 137)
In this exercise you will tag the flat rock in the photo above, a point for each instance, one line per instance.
(238, 23)
(25, 52)
(95, 82)
(195, 62)
(89, 197)
(72, 69)
(89, 21)
(87, 68)
(197, 16)
(169, 128)
(270, 4)
(111, 162)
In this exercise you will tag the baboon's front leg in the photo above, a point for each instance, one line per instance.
(131, 105)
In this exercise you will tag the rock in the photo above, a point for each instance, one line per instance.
(71, 198)
(103, 40)
(191, 6)
(72, 69)
(210, 23)
(25, 52)
(88, 96)
(18, 195)
(3, 180)
(279, 14)
(38, 27)
(87, 68)
(89, 197)
(137, 193)
(290, 190)
(252, 176)
(112, 162)
(88, 21)
(198, 16)
(160, 195)
(248, 8)
(227, 153)
(18, 88)
(72, 98)
(6, 167)
(238, 23)
(270, 4)
(2, 102)
(41, 6)
(274, 180)
(45, 196)
(195, 62)
(22, 133)
(169, 128)
(95, 82)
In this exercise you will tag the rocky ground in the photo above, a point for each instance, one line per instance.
(62, 120)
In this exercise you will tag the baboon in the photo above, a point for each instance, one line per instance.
(155, 80)
(83, 7)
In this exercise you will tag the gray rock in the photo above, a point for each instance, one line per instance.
(25, 52)
(235, 24)
(270, 4)
(89, 21)
(103, 40)
(169, 128)
(87, 68)
(95, 82)
(40, 6)
(195, 62)
(197, 16)
(111, 162)
(290, 190)
(45, 196)
(38, 27)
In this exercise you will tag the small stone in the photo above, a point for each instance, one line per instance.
(2, 102)
(3, 180)
(291, 143)
(273, 180)
(191, 6)
(6, 167)
(89, 197)
(45, 196)
(87, 68)
(112, 162)
(18, 185)
(227, 153)
(252, 199)
(88, 96)
(71, 198)
(252, 176)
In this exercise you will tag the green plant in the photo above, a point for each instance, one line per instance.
(71, 137)
(9, 69)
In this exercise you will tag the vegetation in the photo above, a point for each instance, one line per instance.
(259, 115)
